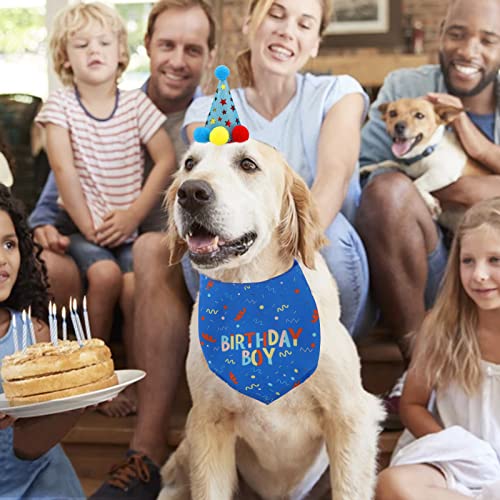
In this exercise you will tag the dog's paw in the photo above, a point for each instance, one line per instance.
(433, 205)
(365, 171)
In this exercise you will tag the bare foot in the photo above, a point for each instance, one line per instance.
(123, 405)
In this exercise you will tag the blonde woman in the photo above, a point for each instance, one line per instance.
(451, 399)
(314, 121)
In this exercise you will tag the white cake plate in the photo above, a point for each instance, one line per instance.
(125, 378)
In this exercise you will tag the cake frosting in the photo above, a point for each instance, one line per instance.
(44, 372)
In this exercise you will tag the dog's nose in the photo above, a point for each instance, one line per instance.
(400, 128)
(195, 194)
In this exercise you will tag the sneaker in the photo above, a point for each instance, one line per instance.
(391, 400)
(137, 477)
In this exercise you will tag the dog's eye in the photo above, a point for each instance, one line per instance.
(419, 116)
(393, 113)
(248, 165)
(189, 164)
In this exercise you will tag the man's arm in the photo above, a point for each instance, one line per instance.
(474, 142)
(46, 209)
(469, 190)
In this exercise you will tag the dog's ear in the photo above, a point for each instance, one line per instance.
(299, 230)
(447, 113)
(383, 108)
(175, 244)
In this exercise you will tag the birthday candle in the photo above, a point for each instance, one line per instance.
(51, 328)
(25, 332)
(32, 330)
(78, 322)
(14, 333)
(54, 323)
(86, 318)
(64, 326)
(73, 322)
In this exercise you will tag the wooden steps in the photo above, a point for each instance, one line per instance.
(381, 361)
(92, 456)
(98, 442)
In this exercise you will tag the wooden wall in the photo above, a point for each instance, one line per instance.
(430, 13)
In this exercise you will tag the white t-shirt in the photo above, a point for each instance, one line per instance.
(295, 131)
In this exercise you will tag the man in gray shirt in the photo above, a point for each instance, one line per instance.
(406, 248)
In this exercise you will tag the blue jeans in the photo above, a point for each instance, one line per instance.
(347, 261)
(436, 264)
(86, 253)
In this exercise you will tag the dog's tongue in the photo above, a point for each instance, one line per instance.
(401, 148)
(202, 244)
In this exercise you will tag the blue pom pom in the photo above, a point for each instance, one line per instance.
(201, 134)
(222, 72)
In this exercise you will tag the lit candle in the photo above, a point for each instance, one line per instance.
(64, 326)
(86, 318)
(51, 327)
(32, 330)
(73, 322)
(14, 333)
(54, 324)
(78, 322)
(25, 331)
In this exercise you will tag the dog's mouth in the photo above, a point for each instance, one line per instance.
(401, 146)
(207, 249)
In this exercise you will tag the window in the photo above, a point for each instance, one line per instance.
(23, 44)
(135, 15)
(23, 59)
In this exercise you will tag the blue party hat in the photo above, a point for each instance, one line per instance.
(222, 125)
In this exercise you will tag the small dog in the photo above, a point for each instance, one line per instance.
(426, 151)
(243, 216)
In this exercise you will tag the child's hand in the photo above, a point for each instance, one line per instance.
(89, 233)
(117, 226)
(6, 421)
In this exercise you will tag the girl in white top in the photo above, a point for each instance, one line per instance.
(95, 139)
(451, 449)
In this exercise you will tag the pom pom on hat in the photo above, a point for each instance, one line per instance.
(221, 72)
(201, 134)
(222, 125)
(240, 133)
(219, 136)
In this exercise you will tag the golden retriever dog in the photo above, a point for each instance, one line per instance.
(244, 216)
(426, 151)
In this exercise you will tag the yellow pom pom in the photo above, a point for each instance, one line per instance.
(219, 136)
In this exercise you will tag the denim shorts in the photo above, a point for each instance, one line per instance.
(85, 253)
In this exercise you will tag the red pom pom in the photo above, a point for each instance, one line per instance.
(240, 133)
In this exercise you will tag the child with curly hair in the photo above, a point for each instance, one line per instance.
(451, 398)
(33, 464)
(95, 138)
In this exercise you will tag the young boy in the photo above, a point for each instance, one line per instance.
(95, 134)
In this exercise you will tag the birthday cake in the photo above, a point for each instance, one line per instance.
(44, 371)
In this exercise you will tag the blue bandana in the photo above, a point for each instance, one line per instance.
(262, 339)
